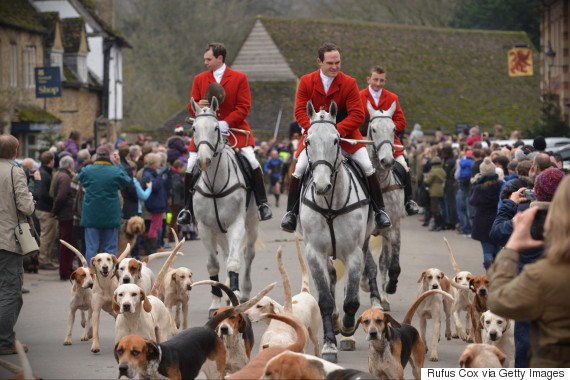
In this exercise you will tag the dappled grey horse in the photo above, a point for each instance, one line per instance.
(335, 219)
(220, 205)
(381, 131)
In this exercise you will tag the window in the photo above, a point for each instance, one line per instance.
(29, 66)
(13, 65)
(82, 68)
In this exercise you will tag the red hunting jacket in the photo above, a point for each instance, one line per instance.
(386, 100)
(235, 107)
(344, 91)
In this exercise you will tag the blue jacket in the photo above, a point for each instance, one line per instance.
(101, 205)
(157, 202)
(503, 228)
(141, 194)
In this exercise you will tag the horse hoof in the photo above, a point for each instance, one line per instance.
(391, 287)
(375, 303)
(347, 344)
(330, 357)
(385, 306)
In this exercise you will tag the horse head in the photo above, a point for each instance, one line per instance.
(381, 131)
(323, 147)
(207, 135)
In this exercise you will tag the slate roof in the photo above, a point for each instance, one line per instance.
(21, 14)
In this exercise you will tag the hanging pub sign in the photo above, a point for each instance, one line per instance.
(520, 62)
(48, 82)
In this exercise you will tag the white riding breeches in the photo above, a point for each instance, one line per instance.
(401, 159)
(360, 156)
(246, 151)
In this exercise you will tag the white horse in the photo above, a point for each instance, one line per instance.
(381, 131)
(220, 202)
(334, 220)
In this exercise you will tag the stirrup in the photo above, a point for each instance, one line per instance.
(264, 212)
(382, 220)
(289, 222)
(184, 217)
(412, 208)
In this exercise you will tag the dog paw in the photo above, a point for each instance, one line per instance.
(455, 336)
(433, 358)
(84, 338)
(95, 349)
(67, 342)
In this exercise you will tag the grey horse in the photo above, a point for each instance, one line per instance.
(220, 205)
(381, 131)
(334, 220)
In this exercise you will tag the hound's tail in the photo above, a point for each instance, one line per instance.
(305, 282)
(164, 269)
(288, 301)
(299, 344)
(224, 287)
(453, 263)
(159, 255)
(77, 253)
(410, 314)
(218, 318)
(25, 370)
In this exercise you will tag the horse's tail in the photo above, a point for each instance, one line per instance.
(288, 302)
(167, 264)
(410, 314)
(305, 282)
(450, 252)
(301, 341)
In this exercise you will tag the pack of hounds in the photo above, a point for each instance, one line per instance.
(153, 341)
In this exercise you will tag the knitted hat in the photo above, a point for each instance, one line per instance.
(104, 151)
(525, 153)
(436, 161)
(178, 128)
(539, 143)
(487, 167)
(546, 183)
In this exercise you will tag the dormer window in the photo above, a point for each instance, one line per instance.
(82, 68)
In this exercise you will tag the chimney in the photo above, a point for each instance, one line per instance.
(106, 11)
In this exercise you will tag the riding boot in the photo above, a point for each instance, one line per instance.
(289, 221)
(260, 195)
(382, 219)
(411, 206)
(186, 215)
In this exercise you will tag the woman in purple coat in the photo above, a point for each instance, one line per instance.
(484, 199)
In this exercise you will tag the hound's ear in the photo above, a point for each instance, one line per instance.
(392, 321)
(195, 107)
(333, 109)
(358, 322)
(214, 105)
(442, 274)
(173, 276)
(140, 264)
(92, 266)
(128, 227)
(370, 109)
(147, 306)
(153, 353)
(507, 324)
(115, 260)
(482, 321)
(116, 306)
(472, 285)
(242, 325)
(421, 276)
(115, 351)
(310, 109)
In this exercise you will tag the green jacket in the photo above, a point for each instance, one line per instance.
(435, 181)
(101, 205)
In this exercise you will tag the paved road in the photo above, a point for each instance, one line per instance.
(43, 319)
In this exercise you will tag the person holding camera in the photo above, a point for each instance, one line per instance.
(519, 199)
(539, 292)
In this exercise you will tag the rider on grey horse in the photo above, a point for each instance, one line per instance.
(321, 87)
(232, 113)
(382, 99)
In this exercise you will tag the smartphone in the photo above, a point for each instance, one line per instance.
(529, 195)
(537, 227)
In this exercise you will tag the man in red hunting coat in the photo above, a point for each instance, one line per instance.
(231, 114)
(322, 87)
(382, 99)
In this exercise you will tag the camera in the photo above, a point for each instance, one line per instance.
(529, 195)
(537, 227)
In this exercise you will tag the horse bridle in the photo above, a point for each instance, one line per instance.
(334, 166)
(378, 146)
(207, 143)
